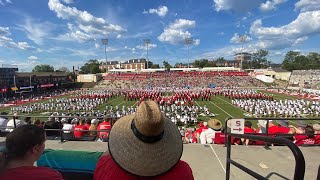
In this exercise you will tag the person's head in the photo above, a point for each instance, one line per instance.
(301, 125)
(215, 124)
(27, 120)
(37, 122)
(309, 131)
(146, 139)
(88, 121)
(81, 122)
(26, 142)
(316, 128)
(248, 124)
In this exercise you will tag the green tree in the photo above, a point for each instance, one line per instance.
(166, 65)
(259, 59)
(63, 69)
(43, 68)
(200, 63)
(155, 66)
(91, 67)
(210, 64)
(220, 60)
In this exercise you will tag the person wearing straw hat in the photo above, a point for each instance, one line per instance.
(143, 145)
(206, 137)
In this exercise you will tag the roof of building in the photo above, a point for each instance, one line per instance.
(112, 62)
(142, 60)
(279, 70)
(243, 53)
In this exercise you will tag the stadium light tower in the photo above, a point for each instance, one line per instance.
(242, 40)
(147, 42)
(188, 42)
(105, 43)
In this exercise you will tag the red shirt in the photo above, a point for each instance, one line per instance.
(248, 130)
(303, 139)
(317, 139)
(284, 130)
(79, 134)
(201, 129)
(30, 173)
(107, 169)
(87, 125)
(274, 130)
(104, 126)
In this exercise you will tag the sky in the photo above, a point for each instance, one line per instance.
(66, 33)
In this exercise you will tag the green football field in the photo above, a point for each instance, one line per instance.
(219, 105)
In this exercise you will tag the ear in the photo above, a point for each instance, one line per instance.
(36, 149)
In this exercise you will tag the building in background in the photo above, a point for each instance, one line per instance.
(137, 64)
(110, 65)
(7, 76)
(89, 77)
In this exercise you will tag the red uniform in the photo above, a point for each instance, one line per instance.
(303, 139)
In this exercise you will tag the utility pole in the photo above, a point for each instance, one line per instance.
(188, 42)
(242, 40)
(147, 42)
(105, 43)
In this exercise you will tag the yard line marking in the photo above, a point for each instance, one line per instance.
(232, 105)
(218, 159)
(221, 109)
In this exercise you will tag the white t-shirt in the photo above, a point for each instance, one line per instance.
(11, 124)
(3, 123)
(67, 127)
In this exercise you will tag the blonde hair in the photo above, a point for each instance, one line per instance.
(93, 127)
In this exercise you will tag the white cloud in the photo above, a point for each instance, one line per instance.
(68, 1)
(235, 5)
(85, 26)
(296, 32)
(119, 36)
(271, 5)
(36, 32)
(133, 50)
(176, 32)
(227, 52)
(5, 41)
(150, 46)
(33, 58)
(97, 45)
(240, 39)
(3, 2)
(307, 5)
(161, 11)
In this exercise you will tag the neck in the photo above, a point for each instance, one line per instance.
(15, 163)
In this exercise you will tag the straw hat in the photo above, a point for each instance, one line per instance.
(214, 124)
(145, 143)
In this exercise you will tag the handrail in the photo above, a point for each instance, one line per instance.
(267, 125)
(299, 165)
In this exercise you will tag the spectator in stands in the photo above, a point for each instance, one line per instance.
(201, 129)
(37, 122)
(307, 139)
(3, 121)
(105, 125)
(52, 124)
(273, 129)
(93, 126)
(66, 125)
(316, 128)
(24, 146)
(261, 126)
(207, 136)
(247, 130)
(283, 126)
(88, 123)
(145, 145)
(300, 129)
(27, 120)
(78, 133)
(10, 124)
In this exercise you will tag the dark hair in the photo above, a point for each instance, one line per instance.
(309, 131)
(88, 121)
(22, 139)
(27, 120)
(248, 124)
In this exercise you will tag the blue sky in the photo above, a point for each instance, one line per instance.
(68, 32)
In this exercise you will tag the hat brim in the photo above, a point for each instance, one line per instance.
(144, 159)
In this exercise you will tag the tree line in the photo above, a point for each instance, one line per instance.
(293, 61)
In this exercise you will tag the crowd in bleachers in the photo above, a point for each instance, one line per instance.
(309, 79)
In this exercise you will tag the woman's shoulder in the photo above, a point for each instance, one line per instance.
(32, 172)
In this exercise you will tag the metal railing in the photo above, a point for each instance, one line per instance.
(299, 158)
(60, 130)
(226, 132)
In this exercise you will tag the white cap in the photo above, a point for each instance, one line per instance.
(94, 121)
